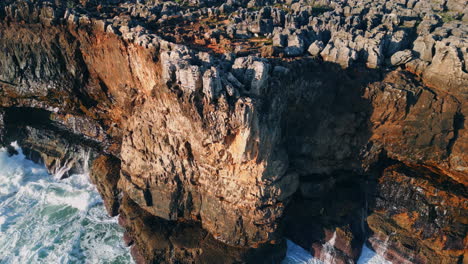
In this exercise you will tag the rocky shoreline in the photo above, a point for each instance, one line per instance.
(218, 128)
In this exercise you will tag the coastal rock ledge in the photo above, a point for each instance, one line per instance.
(217, 129)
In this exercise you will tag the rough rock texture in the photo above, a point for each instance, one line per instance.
(427, 224)
(417, 125)
(105, 173)
(182, 242)
(2, 125)
(45, 143)
(188, 156)
(218, 128)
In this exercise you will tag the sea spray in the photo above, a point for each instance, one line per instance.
(382, 247)
(298, 255)
(60, 172)
(47, 220)
(328, 252)
(370, 257)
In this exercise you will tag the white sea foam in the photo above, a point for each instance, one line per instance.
(297, 255)
(47, 220)
(328, 250)
(368, 256)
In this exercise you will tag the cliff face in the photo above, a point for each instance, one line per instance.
(209, 156)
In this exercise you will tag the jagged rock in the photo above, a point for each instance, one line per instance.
(417, 66)
(279, 39)
(159, 191)
(81, 125)
(296, 45)
(401, 57)
(410, 220)
(400, 109)
(62, 156)
(156, 240)
(339, 53)
(105, 174)
(228, 143)
(448, 65)
(346, 246)
(190, 78)
(423, 47)
(258, 73)
(316, 47)
(211, 84)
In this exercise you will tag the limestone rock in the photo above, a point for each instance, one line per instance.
(401, 57)
(315, 48)
(210, 115)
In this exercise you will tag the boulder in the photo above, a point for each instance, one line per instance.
(401, 57)
(316, 47)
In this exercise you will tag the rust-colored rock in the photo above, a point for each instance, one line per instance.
(223, 136)
(157, 240)
(105, 174)
(417, 125)
(419, 216)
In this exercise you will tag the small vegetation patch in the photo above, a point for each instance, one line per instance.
(450, 16)
(71, 3)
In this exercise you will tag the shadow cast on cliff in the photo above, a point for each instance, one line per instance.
(326, 127)
(327, 134)
(45, 141)
(328, 131)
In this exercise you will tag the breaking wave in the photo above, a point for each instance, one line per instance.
(47, 220)
(298, 255)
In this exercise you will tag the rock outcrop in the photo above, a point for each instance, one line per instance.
(218, 128)
(417, 219)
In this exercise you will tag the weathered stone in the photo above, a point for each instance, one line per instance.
(417, 217)
(215, 129)
(296, 45)
(105, 173)
(401, 57)
(158, 240)
(316, 47)
(211, 83)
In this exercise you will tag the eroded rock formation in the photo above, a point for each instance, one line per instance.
(218, 128)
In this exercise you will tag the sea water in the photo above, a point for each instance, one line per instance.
(47, 220)
(297, 255)
(44, 219)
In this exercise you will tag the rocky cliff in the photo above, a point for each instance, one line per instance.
(218, 128)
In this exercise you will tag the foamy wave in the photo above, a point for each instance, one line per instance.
(15, 170)
(297, 255)
(47, 220)
(79, 201)
(368, 256)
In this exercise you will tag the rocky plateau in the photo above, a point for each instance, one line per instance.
(217, 129)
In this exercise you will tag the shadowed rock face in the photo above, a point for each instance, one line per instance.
(420, 213)
(183, 242)
(105, 175)
(210, 156)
